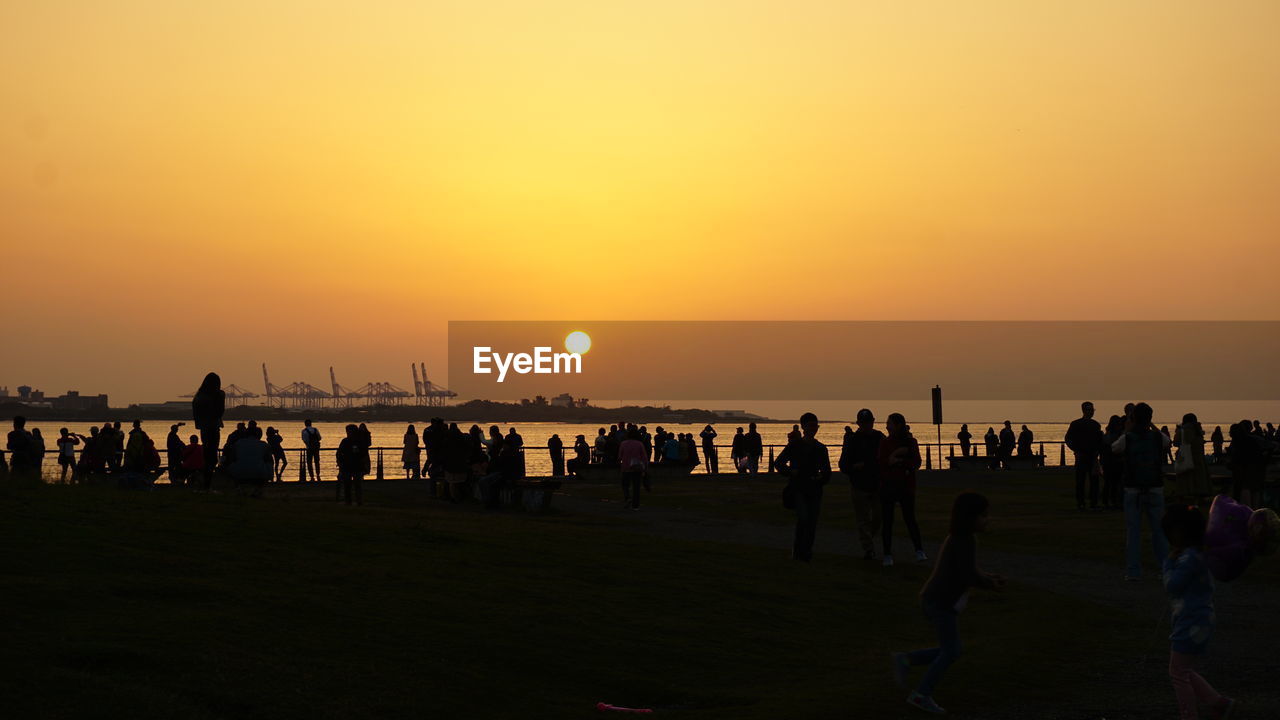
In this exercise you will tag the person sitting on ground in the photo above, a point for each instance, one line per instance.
(251, 461)
(193, 457)
(671, 452)
(945, 595)
(581, 456)
(140, 454)
(691, 451)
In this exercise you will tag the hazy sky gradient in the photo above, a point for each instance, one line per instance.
(194, 186)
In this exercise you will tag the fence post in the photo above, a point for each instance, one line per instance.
(302, 466)
(1062, 456)
(769, 470)
(928, 457)
(380, 463)
(951, 449)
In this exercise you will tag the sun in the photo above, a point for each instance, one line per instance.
(577, 342)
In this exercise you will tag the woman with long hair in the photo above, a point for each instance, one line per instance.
(207, 407)
(899, 458)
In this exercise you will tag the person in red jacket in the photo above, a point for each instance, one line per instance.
(193, 457)
(899, 458)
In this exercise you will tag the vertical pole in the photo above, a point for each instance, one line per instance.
(380, 463)
(769, 470)
(302, 465)
(1062, 455)
(928, 457)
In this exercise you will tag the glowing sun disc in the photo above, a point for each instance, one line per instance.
(577, 342)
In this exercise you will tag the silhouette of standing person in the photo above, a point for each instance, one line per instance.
(899, 458)
(21, 462)
(1008, 441)
(411, 456)
(966, 439)
(1084, 438)
(1142, 447)
(173, 447)
(1218, 440)
(67, 442)
(1191, 483)
(755, 448)
(806, 464)
(738, 452)
(351, 457)
(366, 442)
(708, 435)
(859, 460)
(37, 453)
(556, 447)
(992, 441)
(207, 408)
(1112, 464)
(311, 442)
(1025, 439)
(634, 462)
(279, 461)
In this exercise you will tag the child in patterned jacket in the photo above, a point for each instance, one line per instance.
(1190, 589)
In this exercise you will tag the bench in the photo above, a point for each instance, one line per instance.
(612, 473)
(533, 494)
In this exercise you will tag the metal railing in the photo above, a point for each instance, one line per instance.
(932, 454)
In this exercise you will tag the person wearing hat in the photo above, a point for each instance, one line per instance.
(581, 458)
(859, 462)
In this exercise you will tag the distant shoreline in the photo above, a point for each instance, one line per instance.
(488, 411)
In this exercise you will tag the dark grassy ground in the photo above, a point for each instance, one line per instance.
(165, 604)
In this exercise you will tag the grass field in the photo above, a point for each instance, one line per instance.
(167, 604)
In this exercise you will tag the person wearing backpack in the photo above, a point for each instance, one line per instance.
(1143, 449)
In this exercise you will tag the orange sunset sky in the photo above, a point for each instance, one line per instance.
(195, 186)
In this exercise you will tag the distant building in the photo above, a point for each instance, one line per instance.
(180, 406)
(27, 394)
(74, 401)
(4, 391)
(562, 400)
(743, 414)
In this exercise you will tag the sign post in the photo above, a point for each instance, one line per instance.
(937, 418)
